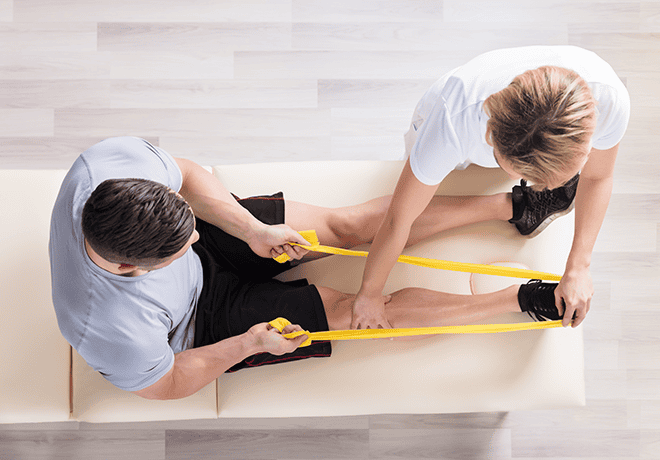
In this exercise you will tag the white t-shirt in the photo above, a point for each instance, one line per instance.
(126, 328)
(451, 123)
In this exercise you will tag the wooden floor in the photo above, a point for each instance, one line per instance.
(235, 81)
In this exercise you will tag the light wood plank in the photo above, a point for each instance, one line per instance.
(650, 444)
(617, 41)
(606, 384)
(364, 94)
(643, 88)
(629, 266)
(63, 445)
(169, 65)
(650, 415)
(597, 414)
(603, 355)
(211, 94)
(6, 10)
(440, 443)
(260, 444)
(347, 64)
(26, 122)
(55, 94)
(637, 178)
(641, 326)
(46, 152)
(39, 65)
(193, 38)
(370, 147)
(65, 37)
(209, 150)
(650, 16)
(629, 60)
(643, 384)
(636, 149)
(183, 122)
(635, 295)
(603, 324)
(380, 11)
(423, 36)
(600, 443)
(480, 420)
(641, 354)
(614, 236)
(357, 122)
(640, 206)
(521, 11)
(152, 10)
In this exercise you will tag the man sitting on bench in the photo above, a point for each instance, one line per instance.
(162, 280)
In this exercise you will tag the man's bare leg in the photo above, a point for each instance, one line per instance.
(354, 225)
(417, 307)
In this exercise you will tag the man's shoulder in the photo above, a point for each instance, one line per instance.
(130, 157)
(129, 353)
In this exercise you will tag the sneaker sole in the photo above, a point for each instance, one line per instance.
(543, 225)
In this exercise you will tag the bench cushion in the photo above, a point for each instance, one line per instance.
(34, 378)
(450, 373)
(492, 372)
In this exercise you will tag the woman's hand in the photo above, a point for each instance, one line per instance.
(369, 312)
(575, 291)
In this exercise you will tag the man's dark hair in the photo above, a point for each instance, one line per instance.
(136, 221)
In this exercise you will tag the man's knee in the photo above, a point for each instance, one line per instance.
(357, 225)
(338, 307)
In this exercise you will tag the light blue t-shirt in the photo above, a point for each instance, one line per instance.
(126, 328)
(451, 123)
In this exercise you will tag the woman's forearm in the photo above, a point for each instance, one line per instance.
(591, 202)
(410, 199)
(384, 252)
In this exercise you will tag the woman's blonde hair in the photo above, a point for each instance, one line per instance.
(542, 123)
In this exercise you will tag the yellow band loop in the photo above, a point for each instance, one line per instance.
(310, 235)
(411, 331)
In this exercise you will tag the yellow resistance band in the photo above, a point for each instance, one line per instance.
(280, 323)
(310, 235)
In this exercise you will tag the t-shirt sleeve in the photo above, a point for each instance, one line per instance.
(143, 376)
(613, 116)
(133, 362)
(436, 151)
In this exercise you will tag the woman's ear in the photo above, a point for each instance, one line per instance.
(489, 141)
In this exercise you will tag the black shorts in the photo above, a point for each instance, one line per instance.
(239, 291)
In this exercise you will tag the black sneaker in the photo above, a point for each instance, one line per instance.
(533, 211)
(538, 300)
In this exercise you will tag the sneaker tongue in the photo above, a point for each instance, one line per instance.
(517, 198)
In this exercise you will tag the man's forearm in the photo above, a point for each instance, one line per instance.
(212, 202)
(195, 368)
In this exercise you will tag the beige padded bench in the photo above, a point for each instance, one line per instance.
(43, 380)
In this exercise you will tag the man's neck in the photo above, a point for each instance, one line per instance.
(111, 267)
